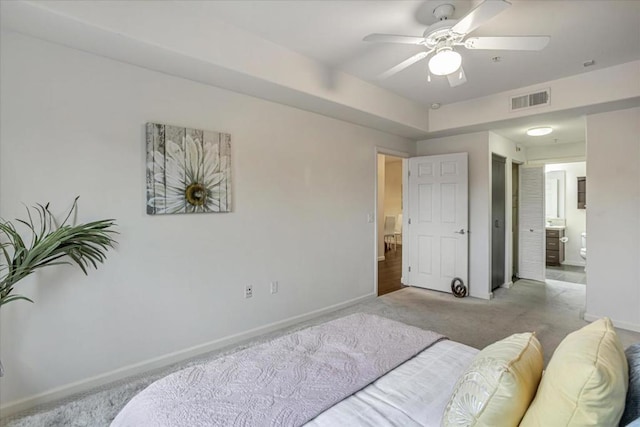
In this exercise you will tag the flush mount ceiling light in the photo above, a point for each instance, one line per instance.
(445, 62)
(545, 130)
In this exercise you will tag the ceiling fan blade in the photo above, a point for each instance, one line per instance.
(508, 43)
(392, 38)
(404, 64)
(457, 78)
(478, 16)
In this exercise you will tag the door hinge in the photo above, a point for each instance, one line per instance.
(409, 269)
(409, 173)
(409, 221)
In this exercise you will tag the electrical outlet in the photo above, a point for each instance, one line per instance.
(248, 291)
(274, 287)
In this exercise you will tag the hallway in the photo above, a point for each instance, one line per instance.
(390, 271)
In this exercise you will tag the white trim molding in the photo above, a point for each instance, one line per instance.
(617, 323)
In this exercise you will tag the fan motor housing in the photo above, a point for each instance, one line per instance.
(441, 31)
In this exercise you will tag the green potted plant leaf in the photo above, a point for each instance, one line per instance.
(50, 244)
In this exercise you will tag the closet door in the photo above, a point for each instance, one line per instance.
(532, 223)
(498, 220)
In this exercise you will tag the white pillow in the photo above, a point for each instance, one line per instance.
(498, 387)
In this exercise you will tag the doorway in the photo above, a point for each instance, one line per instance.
(566, 222)
(498, 220)
(389, 218)
(515, 195)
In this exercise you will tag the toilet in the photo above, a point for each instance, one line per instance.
(583, 247)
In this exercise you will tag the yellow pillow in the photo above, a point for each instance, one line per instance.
(585, 383)
(498, 386)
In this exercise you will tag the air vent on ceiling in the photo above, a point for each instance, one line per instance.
(530, 100)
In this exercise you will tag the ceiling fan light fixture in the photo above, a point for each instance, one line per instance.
(445, 62)
(540, 131)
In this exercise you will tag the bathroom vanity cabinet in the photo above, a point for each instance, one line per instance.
(555, 247)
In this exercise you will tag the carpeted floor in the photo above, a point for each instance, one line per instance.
(552, 311)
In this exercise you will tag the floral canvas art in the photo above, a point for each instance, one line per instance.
(188, 170)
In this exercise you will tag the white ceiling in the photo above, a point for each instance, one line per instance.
(566, 130)
(331, 32)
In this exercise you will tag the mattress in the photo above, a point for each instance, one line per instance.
(413, 394)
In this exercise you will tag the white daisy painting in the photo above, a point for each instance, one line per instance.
(188, 170)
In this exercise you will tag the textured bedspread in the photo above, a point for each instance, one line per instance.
(284, 382)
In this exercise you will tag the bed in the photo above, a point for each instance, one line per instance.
(360, 370)
(365, 370)
(413, 394)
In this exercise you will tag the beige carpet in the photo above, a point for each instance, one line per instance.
(552, 311)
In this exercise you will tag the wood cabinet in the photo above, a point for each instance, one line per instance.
(555, 247)
(582, 192)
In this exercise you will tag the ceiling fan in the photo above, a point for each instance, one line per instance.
(446, 34)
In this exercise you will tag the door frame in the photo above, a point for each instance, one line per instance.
(509, 242)
(376, 211)
(515, 237)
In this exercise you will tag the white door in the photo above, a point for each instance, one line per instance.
(532, 224)
(437, 223)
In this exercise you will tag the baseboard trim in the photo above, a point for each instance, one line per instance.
(617, 323)
(166, 360)
(381, 258)
(507, 285)
(480, 296)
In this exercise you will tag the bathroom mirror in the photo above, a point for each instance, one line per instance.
(554, 195)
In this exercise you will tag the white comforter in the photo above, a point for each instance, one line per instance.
(285, 381)
(413, 394)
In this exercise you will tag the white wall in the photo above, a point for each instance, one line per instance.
(576, 219)
(507, 149)
(73, 124)
(618, 83)
(613, 217)
(477, 145)
(168, 37)
(560, 153)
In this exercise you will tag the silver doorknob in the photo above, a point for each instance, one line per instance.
(460, 232)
